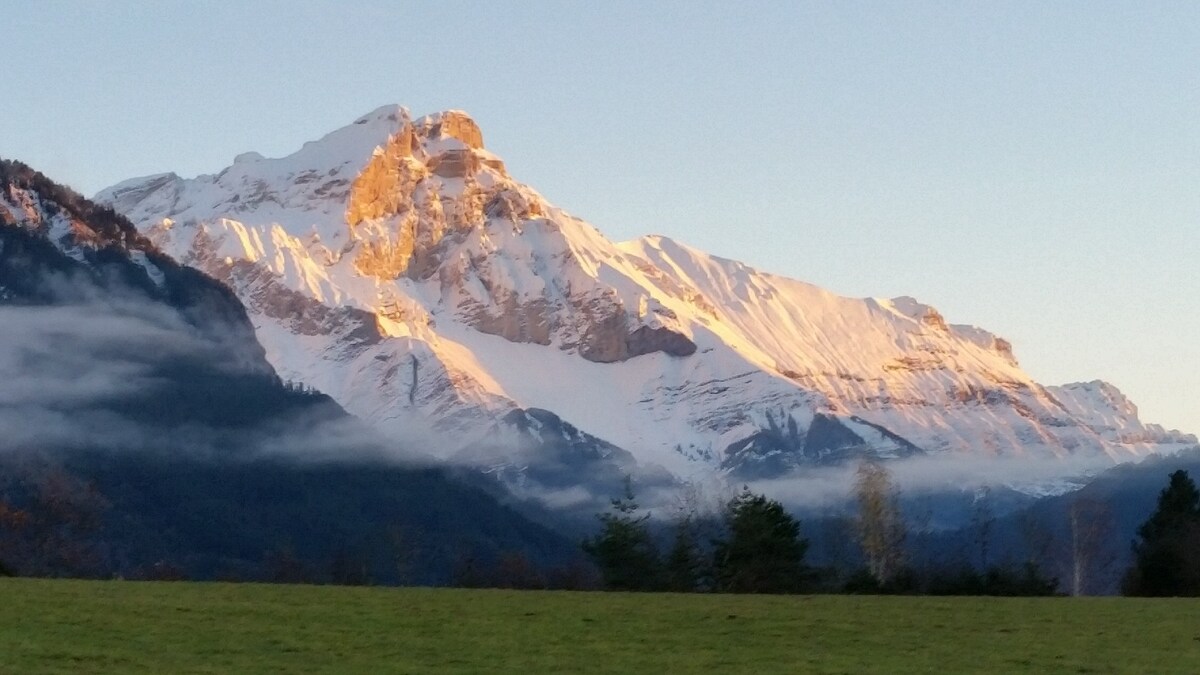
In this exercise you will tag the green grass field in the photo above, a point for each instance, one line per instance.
(88, 627)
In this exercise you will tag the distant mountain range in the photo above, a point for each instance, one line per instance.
(397, 267)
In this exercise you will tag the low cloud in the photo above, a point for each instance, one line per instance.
(65, 369)
(824, 487)
(69, 372)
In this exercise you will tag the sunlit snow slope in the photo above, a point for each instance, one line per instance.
(395, 265)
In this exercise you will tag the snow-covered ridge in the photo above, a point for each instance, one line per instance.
(395, 265)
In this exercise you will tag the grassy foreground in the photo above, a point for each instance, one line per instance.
(81, 627)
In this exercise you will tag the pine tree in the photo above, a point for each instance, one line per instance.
(1168, 549)
(624, 551)
(763, 551)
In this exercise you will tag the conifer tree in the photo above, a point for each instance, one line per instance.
(624, 551)
(763, 551)
(1168, 548)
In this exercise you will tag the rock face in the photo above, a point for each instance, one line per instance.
(452, 124)
(784, 446)
(421, 208)
(395, 265)
(384, 187)
(647, 340)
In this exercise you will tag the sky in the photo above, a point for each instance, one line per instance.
(1029, 167)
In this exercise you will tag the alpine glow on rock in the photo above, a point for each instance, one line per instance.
(396, 266)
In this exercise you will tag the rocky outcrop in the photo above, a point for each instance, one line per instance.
(382, 213)
(454, 164)
(783, 446)
(647, 340)
(510, 319)
(384, 186)
(513, 206)
(934, 318)
(400, 215)
(1004, 348)
(461, 164)
(300, 314)
(452, 124)
(398, 211)
(597, 328)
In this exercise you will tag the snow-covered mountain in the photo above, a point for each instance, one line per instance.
(395, 265)
(136, 389)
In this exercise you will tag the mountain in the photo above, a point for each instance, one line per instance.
(136, 399)
(1088, 533)
(103, 325)
(395, 265)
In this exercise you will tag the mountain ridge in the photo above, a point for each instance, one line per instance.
(486, 298)
(137, 386)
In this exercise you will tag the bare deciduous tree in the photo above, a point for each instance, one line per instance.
(53, 530)
(881, 531)
(1091, 554)
(983, 519)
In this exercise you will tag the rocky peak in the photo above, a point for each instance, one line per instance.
(398, 207)
(454, 145)
(429, 179)
(416, 223)
(384, 186)
(451, 124)
(1004, 348)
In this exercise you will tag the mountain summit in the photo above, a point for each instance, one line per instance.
(136, 388)
(395, 265)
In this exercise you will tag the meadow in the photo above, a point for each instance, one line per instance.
(50, 626)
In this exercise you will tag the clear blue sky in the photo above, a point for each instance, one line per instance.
(1033, 168)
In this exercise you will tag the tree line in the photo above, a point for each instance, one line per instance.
(757, 547)
(752, 544)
